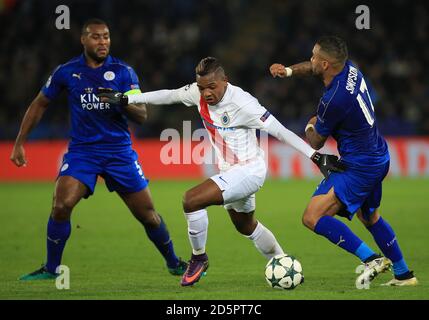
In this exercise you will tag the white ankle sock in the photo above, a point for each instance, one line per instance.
(198, 222)
(265, 241)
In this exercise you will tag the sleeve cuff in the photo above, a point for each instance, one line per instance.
(131, 92)
(321, 130)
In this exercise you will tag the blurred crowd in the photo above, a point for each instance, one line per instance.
(163, 40)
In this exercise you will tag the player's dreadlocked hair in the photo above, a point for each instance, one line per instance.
(91, 21)
(335, 47)
(208, 65)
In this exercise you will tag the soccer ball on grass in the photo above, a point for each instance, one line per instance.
(284, 272)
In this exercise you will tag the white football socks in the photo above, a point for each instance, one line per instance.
(198, 223)
(265, 241)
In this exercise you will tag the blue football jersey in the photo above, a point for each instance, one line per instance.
(95, 125)
(346, 112)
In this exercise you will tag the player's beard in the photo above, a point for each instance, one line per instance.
(317, 74)
(95, 57)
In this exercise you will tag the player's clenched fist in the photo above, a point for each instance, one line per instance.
(111, 96)
(278, 70)
(18, 156)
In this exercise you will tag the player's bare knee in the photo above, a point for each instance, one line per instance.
(372, 219)
(151, 221)
(306, 221)
(368, 220)
(245, 227)
(310, 219)
(61, 211)
(186, 202)
(148, 217)
(190, 202)
(362, 218)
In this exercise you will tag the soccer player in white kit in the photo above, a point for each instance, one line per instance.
(231, 116)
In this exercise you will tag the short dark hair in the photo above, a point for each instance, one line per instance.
(92, 21)
(207, 66)
(335, 47)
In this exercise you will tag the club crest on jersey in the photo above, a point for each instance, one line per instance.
(89, 90)
(225, 119)
(109, 75)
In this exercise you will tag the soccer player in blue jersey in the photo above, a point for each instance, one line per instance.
(346, 113)
(100, 145)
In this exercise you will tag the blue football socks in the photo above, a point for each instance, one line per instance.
(385, 238)
(58, 233)
(365, 253)
(341, 235)
(161, 238)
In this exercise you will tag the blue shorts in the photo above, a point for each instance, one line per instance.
(356, 189)
(121, 171)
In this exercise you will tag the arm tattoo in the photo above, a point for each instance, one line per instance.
(303, 68)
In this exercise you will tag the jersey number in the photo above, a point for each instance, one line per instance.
(365, 102)
(139, 168)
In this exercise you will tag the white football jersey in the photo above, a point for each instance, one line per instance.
(231, 123)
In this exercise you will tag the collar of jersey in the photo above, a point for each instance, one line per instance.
(338, 76)
(82, 61)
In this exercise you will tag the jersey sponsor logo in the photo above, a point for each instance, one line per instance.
(351, 79)
(77, 75)
(89, 90)
(109, 75)
(225, 119)
(92, 102)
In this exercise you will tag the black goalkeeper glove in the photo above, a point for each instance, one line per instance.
(113, 97)
(327, 163)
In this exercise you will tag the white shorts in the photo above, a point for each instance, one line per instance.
(240, 183)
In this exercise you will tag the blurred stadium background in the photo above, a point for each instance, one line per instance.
(163, 40)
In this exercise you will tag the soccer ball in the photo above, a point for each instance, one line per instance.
(284, 272)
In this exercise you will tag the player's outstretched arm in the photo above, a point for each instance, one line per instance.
(160, 97)
(31, 118)
(299, 69)
(325, 162)
(277, 130)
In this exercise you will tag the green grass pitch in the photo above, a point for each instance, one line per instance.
(110, 256)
